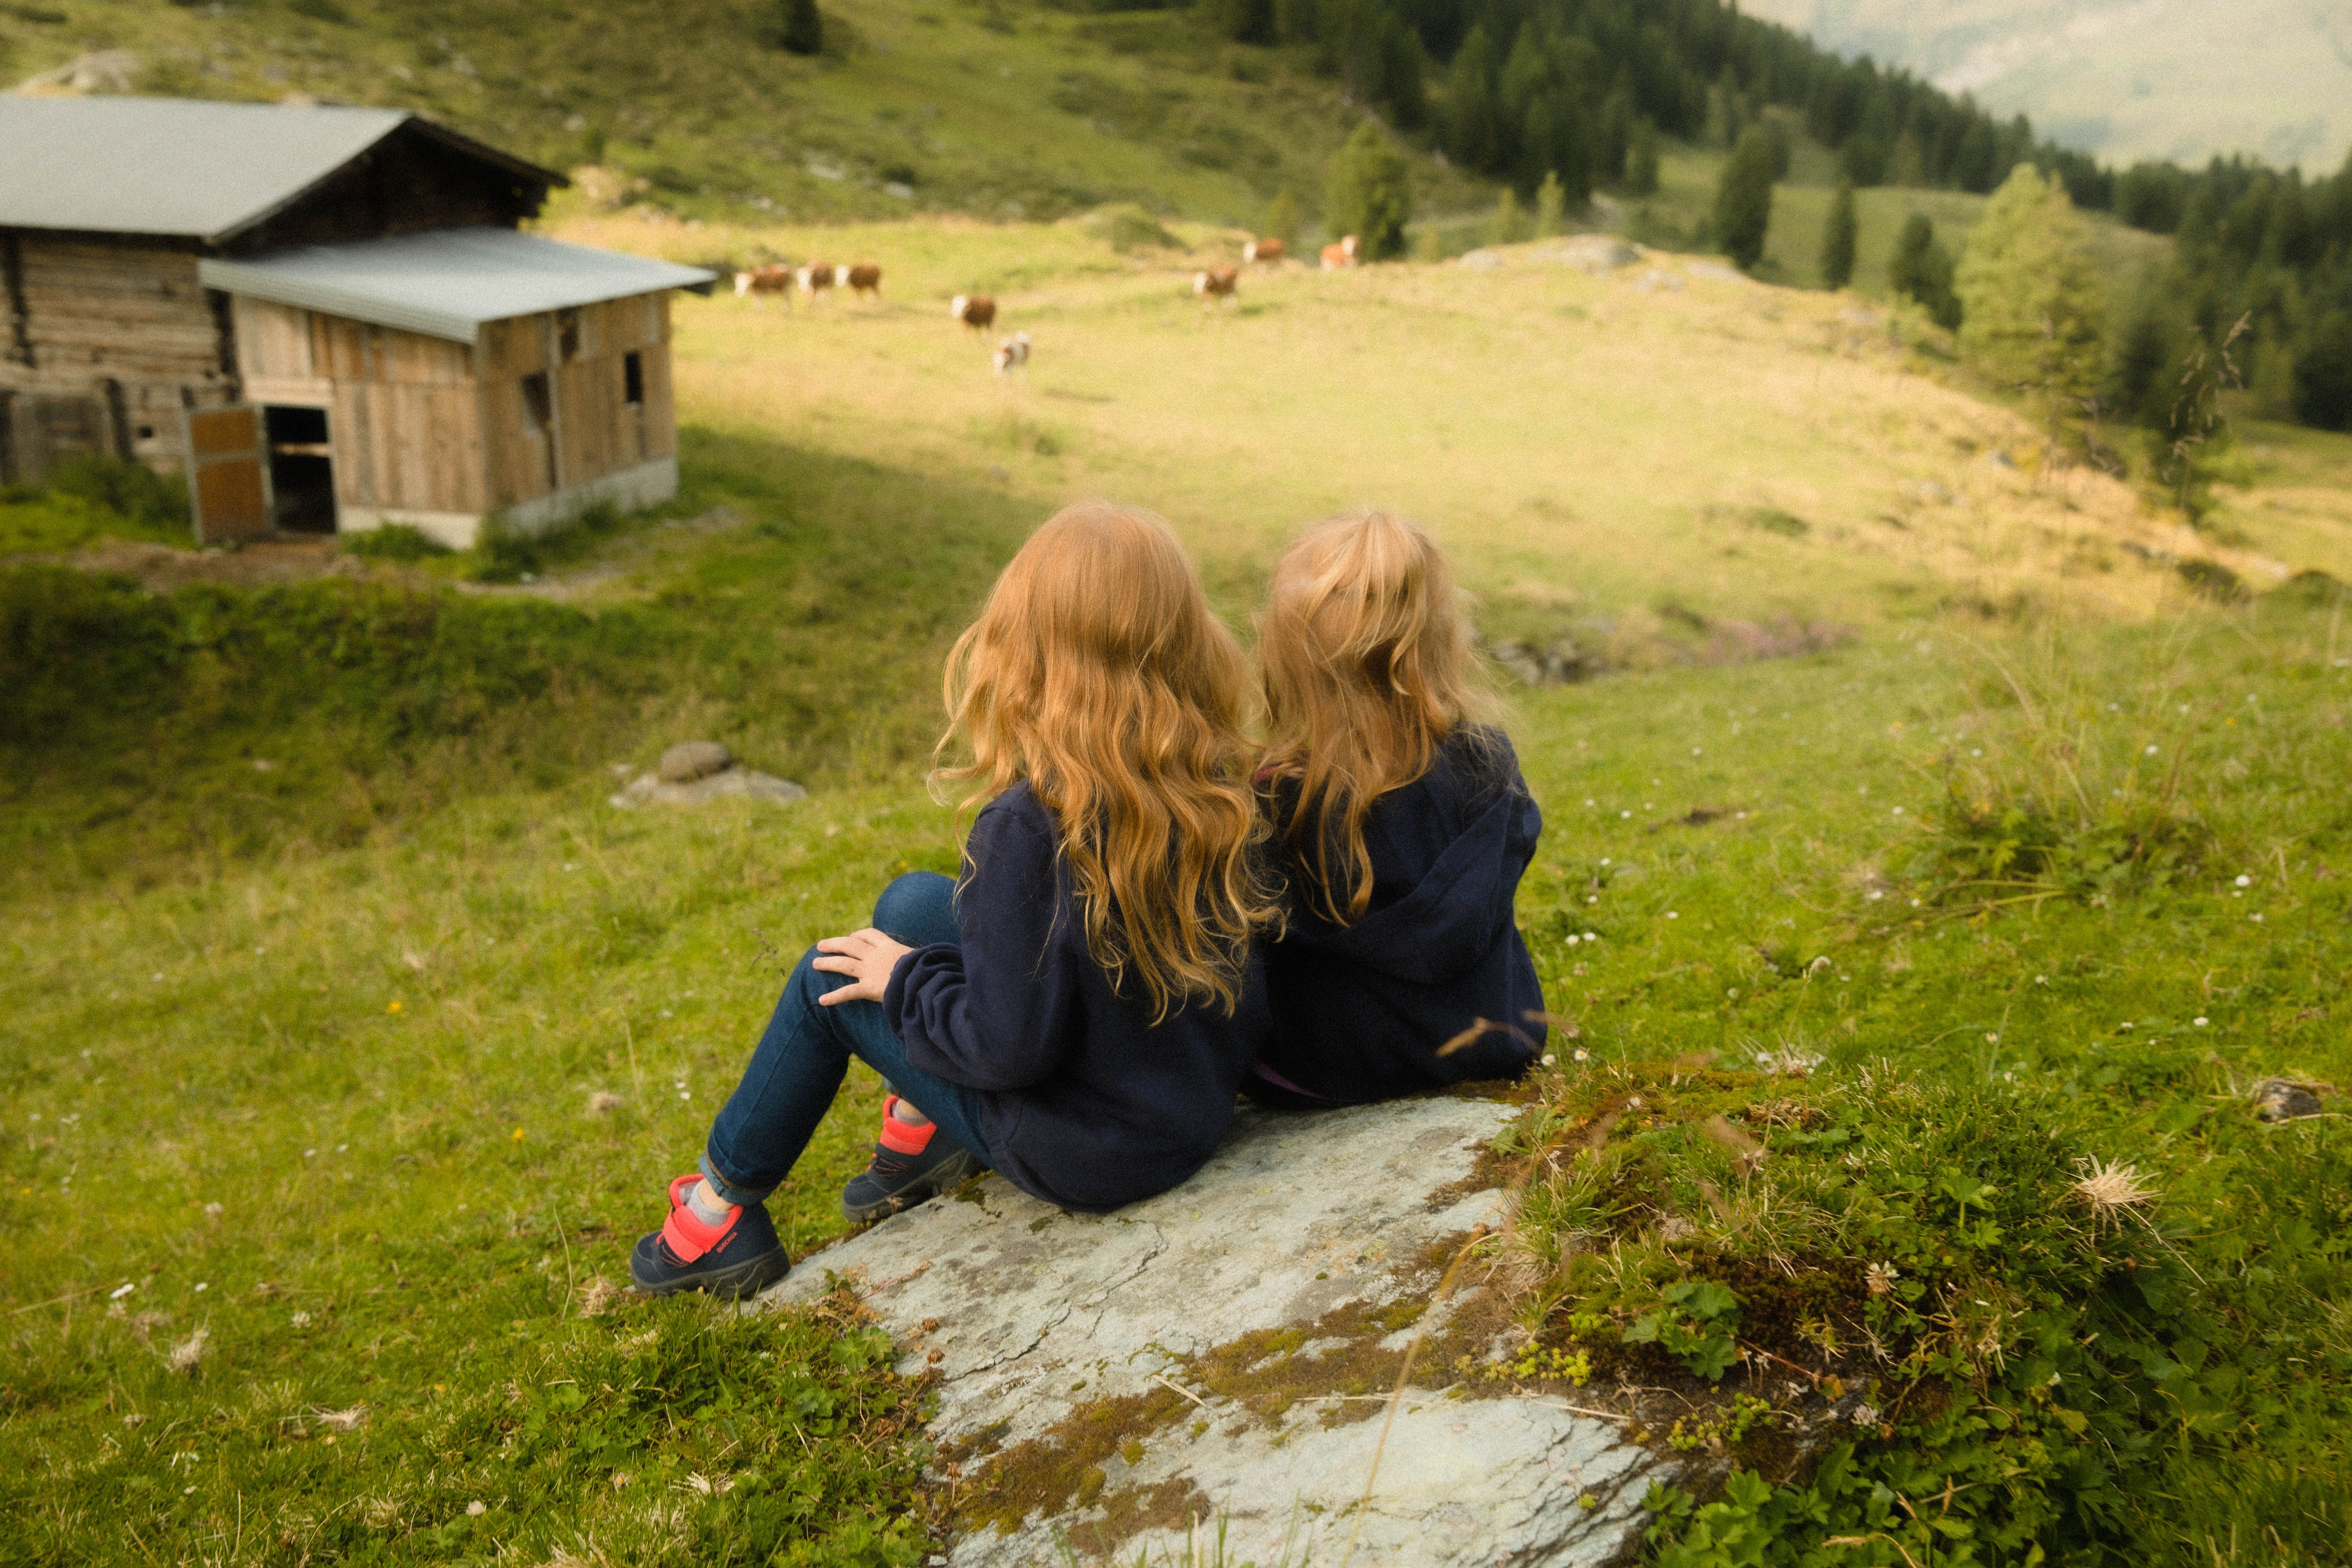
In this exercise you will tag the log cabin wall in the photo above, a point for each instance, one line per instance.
(106, 343)
(403, 413)
(556, 409)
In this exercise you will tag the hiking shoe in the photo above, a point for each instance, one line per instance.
(741, 1258)
(910, 1164)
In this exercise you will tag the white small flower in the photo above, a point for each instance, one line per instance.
(1898, 811)
(475, 1508)
(203, 1285)
(686, 1094)
(1604, 860)
(1623, 813)
(1582, 1055)
(2257, 917)
(1593, 936)
(1592, 803)
(1549, 1059)
(2200, 1022)
(1875, 895)
(1975, 751)
(1992, 1040)
(301, 1319)
(1573, 939)
(2125, 1026)
(122, 1290)
(1865, 1415)
(2244, 881)
(2151, 750)
(2042, 980)
(1672, 916)
(1915, 903)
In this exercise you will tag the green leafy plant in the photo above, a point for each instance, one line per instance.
(1698, 1325)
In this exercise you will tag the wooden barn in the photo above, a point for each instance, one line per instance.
(327, 317)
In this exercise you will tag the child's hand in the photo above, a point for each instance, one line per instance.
(868, 956)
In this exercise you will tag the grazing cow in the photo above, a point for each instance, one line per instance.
(862, 279)
(1011, 353)
(1218, 283)
(817, 277)
(977, 312)
(1265, 251)
(1343, 254)
(774, 278)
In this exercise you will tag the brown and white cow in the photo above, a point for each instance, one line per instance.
(1264, 250)
(1011, 353)
(1343, 254)
(866, 278)
(774, 278)
(1218, 283)
(817, 277)
(977, 312)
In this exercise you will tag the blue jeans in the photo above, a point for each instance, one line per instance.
(802, 1058)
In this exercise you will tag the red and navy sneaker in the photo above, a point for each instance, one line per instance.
(740, 1258)
(910, 1164)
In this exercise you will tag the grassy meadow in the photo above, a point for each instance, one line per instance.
(336, 1091)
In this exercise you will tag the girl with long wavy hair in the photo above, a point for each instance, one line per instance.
(1077, 1010)
(1400, 823)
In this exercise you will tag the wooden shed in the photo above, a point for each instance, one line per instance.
(326, 317)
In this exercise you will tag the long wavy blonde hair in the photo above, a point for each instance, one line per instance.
(1096, 673)
(1368, 668)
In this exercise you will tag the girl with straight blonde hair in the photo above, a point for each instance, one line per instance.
(1077, 1010)
(1402, 824)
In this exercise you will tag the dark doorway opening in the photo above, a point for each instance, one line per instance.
(301, 469)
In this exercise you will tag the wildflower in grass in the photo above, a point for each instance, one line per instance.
(1582, 1055)
(517, 1135)
(301, 1320)
(2200, 1023)
(121, 1290)
(394, 1007)
(188, 1351)
(1881, 1278)
(1550, 1060)
(2245, 881)
(2111, 1192)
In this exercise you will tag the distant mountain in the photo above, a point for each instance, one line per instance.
(2123, 78)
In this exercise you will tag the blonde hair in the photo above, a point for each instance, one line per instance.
(1096, 672)
(1367, 670)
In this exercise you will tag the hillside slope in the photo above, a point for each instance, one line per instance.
(2184, 79)
(997, 110)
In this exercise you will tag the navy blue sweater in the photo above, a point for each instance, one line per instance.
(1085, 1101)
(1359, 1010)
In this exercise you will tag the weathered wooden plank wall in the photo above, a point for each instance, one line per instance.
(118, 338)
(594, 429)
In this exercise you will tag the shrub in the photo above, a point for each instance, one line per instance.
(1370, 195)
(132, 492)
(394, 541)
(506, 553)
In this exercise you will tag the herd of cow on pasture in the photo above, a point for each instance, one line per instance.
(978, 311)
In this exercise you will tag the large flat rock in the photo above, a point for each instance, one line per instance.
(1224, 1352)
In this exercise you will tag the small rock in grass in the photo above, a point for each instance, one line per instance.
(2287, 1099)
(694, 759)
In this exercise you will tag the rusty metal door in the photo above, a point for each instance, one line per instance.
(229, 474)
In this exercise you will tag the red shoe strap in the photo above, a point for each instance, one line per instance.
(683, 1187)
(900, 1138)
(689, 1237)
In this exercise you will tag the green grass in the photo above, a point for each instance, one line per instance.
(432, 1023)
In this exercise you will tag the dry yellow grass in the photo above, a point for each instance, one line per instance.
(1584, 445)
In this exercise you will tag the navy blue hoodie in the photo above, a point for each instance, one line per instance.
(1359, 1010)
(1085, 1101)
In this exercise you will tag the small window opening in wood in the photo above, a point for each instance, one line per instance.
(567, 335)
(633, 379)
(537, 406)
(146, 432)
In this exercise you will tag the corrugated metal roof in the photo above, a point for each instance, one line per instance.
(181, 165)
(169, 165)
(445, 283)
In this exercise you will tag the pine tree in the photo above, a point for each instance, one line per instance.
(800, 29)
(1527, 80)
(1509, 224)
(2031, 302)
(2323, 374)
(1921, 269)
(1246, 21)
(1642, 159)
(1613, 138)
(1281, 217)
(1370, 195)
(1472, 135)
(1743, 202)
(1838, 239)
(1551, 204)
